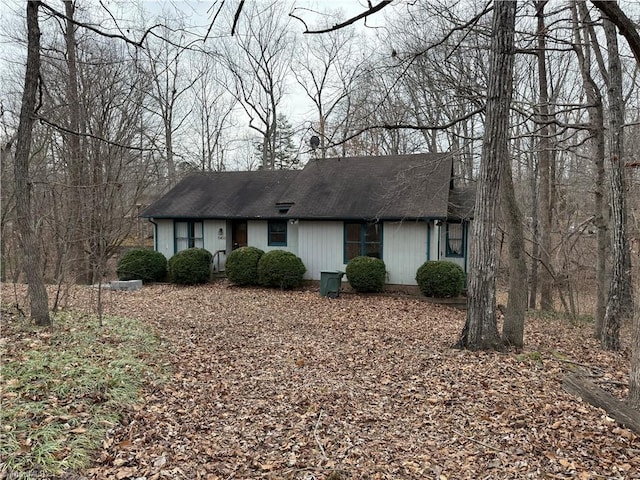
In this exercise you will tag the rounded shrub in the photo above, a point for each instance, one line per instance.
(440, 279)
(142, 264)
(280, 269)
(366, 274)
(242, 265)
(191, 266)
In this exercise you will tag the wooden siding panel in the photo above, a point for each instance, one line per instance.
(258, 236)
(320, 246)
(404, 250)
(164, 237)
(214, 242)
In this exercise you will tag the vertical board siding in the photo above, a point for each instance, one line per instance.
(258, 236)
(404, 250)
(320, 246)
(215, 242)
(292, 237)
(164, 239)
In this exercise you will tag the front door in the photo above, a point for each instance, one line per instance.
(238, 234)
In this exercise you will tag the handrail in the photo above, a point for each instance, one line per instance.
(216, 260)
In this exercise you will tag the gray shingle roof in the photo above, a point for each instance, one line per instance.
(392, 187)
(223, 195)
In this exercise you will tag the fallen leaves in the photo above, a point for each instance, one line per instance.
(290, 385)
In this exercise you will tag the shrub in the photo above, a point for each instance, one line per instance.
(280, 269)
(242, 265)
(142, 264)
(440, 279)
(191, 266)
(366, 274)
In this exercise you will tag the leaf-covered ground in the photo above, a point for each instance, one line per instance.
(289, 385)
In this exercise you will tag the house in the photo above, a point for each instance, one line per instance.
(402, 208)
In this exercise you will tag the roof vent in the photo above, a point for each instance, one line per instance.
(283, 207)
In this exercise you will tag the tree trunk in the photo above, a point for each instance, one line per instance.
(513, 323)
(77, 200)
(480, 331)
(596, 129)
(172, 177)
(544, 147)
(39, 301)
(620, 300)
(634, 374)
(535, 232)
(602, 238)
(582, 386)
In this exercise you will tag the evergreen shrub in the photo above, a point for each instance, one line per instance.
(440, 279)
(366, 274)
(280, 269)
(191, 266)
(242, 265)
(142, 264)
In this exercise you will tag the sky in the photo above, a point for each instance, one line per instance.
(295, 105)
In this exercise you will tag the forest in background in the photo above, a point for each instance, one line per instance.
(133, 97)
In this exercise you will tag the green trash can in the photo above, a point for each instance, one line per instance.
(330, 282)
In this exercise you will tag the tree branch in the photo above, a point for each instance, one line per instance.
(372, 9)
(62, 16)
(236, 17)
(89, 135)
(405, 126)
(625, 25)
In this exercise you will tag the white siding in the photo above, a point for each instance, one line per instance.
(214, 241)
(164, 237)
(292, 237)
(258, 236)
(404, 249)
(320, 246)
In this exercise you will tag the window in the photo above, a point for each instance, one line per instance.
(277, 233)
(362, 239)
(188, 235)
(455, 239)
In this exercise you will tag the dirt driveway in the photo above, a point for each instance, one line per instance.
(289, 385)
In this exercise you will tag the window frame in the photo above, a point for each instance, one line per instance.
(270, 232)
(450, 252)
(192, 241)
(362, 242)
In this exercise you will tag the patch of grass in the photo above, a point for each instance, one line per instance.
(530, 357)
(553, 316)
(62, 387)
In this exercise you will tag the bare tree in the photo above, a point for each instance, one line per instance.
(630, 32)
(164, 64)
(257, 58)
(545, 207)
(620, 300)
(211, 113)
(595, 110)
(513, 323)
(325, 67)
(480, 330)
(24, 219)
